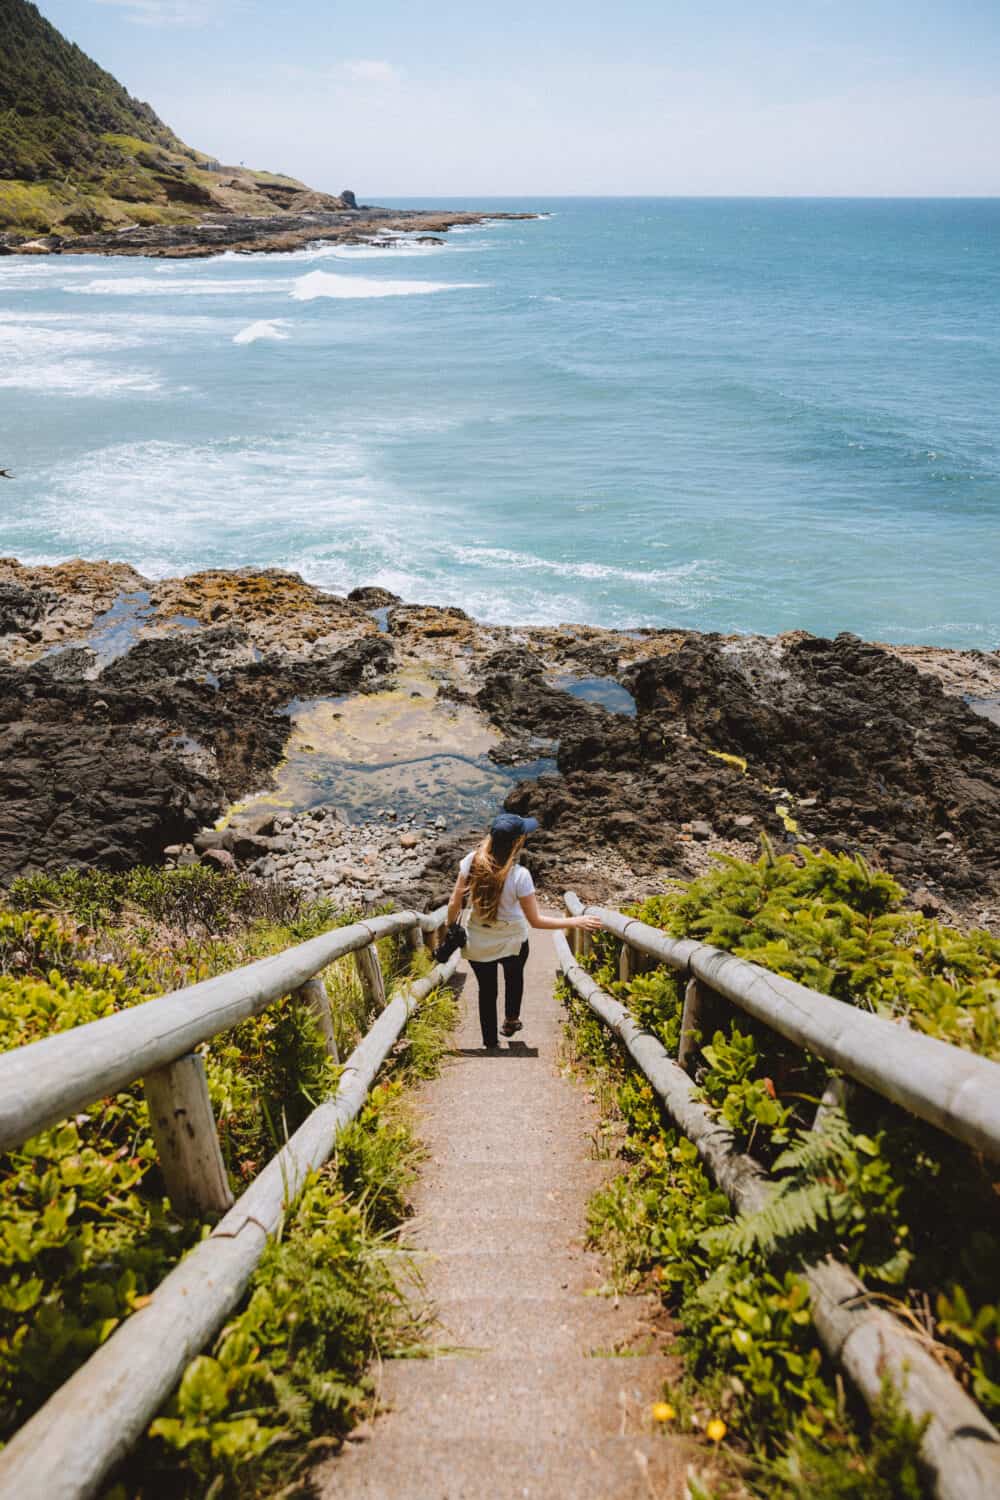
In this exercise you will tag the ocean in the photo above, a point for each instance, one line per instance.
(733, 415)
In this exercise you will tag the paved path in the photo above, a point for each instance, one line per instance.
(533, 1402)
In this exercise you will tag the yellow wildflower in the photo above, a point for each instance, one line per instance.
(663, 1412)
(716, 1430)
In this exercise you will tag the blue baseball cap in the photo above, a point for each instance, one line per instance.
(507, 826)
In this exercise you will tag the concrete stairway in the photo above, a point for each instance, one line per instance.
(541, 1388)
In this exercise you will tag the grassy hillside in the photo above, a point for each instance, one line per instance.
(78, 154)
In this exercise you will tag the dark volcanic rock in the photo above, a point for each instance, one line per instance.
(20, 610)
(299, 221)
(867, 754)
(372, 597)
(837, 743)
(516, 697)
(109, 772)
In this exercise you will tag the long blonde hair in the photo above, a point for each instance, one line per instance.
(487, 876)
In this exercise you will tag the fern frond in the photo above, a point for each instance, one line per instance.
(797, 1210)
(814, 1150)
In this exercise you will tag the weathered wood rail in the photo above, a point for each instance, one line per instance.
(67, 1448)
(956, 1091)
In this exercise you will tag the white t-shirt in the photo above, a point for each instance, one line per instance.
(518, 883)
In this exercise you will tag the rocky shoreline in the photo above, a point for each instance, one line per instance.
(356, 745)
(250, 234)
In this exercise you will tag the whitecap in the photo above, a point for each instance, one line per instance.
(398, 249)
(151, 286)
(267, 328)
(527, 562)
(117, 329)
(47, 357)
(328, 284)
(25, 339)
(78, 377)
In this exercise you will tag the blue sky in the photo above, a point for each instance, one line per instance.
(676, 97)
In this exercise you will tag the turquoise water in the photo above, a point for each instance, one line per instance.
(732, 415)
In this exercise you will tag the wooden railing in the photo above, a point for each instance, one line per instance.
(952, 1089)
(65, 1450)
(955, 1090)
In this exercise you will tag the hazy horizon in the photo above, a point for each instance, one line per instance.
(811, 99)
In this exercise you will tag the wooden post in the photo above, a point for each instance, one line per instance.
(370, 974)
(628, 964)
(699, 1019)
(584, 943)
(183, 1125)
(415, 938)
(835, 1096)
(313, 994)
(46, 1081)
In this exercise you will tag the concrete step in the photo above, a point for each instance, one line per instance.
(523, 1274)
(486, 1228)
(526, 1326)
(473, 1181)
(487, 1468)
(445, 1398)
(536, 1399)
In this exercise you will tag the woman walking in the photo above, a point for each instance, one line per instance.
(502, 894)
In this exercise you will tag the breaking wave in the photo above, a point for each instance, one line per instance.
(267, 328)
(329, 284)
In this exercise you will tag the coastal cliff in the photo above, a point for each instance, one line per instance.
(356, 744)
(79, 155)
(85, 167)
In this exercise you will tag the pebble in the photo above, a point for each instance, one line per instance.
(220, 859)
(319, 851)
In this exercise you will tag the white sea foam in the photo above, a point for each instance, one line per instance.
(176, 505)
(267, 328)
(26, 339)
(398, 249)
(328, 284)
(49, 357)
(175, 286)
(527, 562)
(123, 326)
(78, 377)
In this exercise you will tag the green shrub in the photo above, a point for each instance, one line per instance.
(86, 1231)
(913, 1211)
(830, 922)
(192, 900)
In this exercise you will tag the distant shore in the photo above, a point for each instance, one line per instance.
(134, 714)
(250, 234)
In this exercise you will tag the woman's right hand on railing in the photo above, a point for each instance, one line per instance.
(586, 923)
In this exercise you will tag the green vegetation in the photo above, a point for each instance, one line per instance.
(87, 1232)
(78, 154)
(913, 1212)
(59, 106)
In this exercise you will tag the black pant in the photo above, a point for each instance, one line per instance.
(513, 989)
